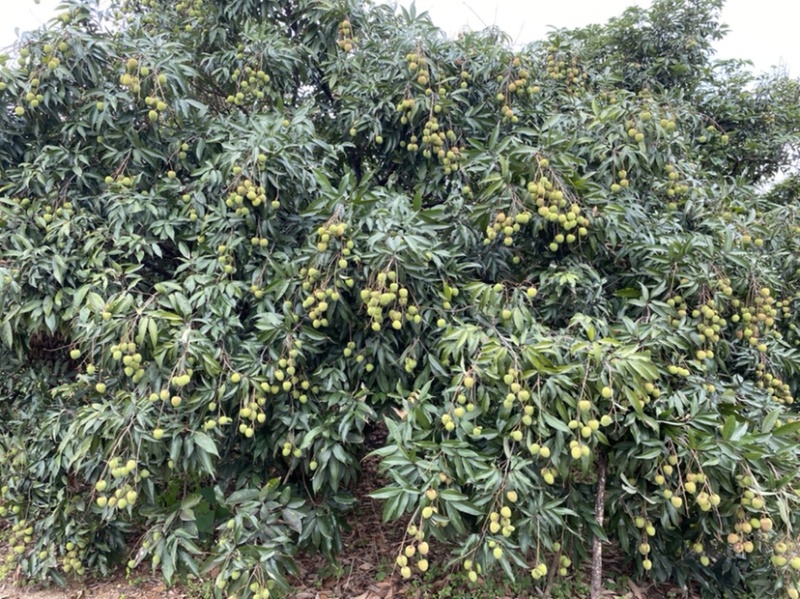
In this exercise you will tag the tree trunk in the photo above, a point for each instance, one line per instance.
(597, 543)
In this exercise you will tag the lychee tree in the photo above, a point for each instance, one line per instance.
(239, 235)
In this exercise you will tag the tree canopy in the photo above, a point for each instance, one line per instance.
(237, 235)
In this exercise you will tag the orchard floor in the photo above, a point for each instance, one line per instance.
(365, 571)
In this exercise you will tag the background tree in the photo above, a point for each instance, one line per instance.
(238, 234)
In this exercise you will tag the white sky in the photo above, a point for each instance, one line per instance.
(763, 31)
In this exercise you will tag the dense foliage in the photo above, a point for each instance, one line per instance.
(237, 235)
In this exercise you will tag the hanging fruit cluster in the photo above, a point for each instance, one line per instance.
(345, 39)
(245, 190)
(418, 67)
(130, 78)
(131, 360)
(515, 82)
(251, 84)
(441, 144)
(506, 225)
(387, 298)
(565, 68)
(556, 208)
(316, 303)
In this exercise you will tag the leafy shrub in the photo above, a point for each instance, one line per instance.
(238, 234)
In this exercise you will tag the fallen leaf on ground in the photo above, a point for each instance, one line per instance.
(636, 590)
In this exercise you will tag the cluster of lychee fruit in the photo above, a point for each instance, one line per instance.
(345, 39)
(516, 82)
(250, 85)
(586, 424)
(713, 132)
(507, 225)
(668, 124)
(19, 540)
(752, 523)
(709, 322)
(622, 183)
(464, 406)
(316, 305)
(332, 231)
(675, 187)
(261, 590)
(758, 320)
(246, 190)
(564, 562)
(565, 68)
(635, 134)
(50, 59)
(387, 298)
(787, 556)
(416, 551)
(118, 469)
(500, 521)
(131, 359)
(745, 239)
(290, 450)
(72, 558)
(225, 259)
(6, 507)
(32, 97)
(418, 67)
(120, 182)
(250, 413)
(157, 107)
(175, 400)
(540, 570)
(320, 296)
(405, 109)
(123, 497)
(192, 8)
(48, 215)
(131, 77)
(777, 388)
(607, 96)
(283, 377)
(554, 206)
(681, 487)
(438, 143)
(187, 8)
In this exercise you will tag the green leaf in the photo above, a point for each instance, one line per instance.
(6, 335)
(205, 442)
(386, 493)
(728, 427)
(787, 429)
(770, 420)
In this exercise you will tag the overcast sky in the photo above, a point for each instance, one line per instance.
(764, 31)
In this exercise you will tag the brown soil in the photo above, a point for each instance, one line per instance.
(115, 588)
(365, 569)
